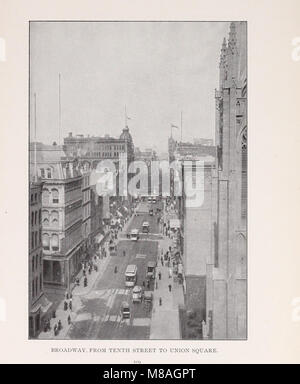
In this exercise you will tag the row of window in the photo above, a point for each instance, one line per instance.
(36, 238)
(50, 219)
(36, 217)
(50, 243)
(46, 173)
(36, 286)
(86, 196)
(36, 261)
(35, 198)
(86, 211)
(50, 196)
(106, 155)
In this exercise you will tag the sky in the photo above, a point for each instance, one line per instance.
(156, 69)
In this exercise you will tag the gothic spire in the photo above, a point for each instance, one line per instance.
(232, 37)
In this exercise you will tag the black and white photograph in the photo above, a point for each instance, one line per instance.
(137, 211)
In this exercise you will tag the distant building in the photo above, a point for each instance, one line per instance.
(202, 141)
(61, 214)
(147, 155)
(38, 304)
(96, 148)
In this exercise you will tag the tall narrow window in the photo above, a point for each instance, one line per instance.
(54, 242)
(244, 174)
(46, 241)
(55, 196)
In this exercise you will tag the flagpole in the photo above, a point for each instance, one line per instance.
(125, 117)
(35, 166)
(59, 111)
(181, 127)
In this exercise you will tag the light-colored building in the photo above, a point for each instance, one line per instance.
(227, 296)
(61, 214)
(92, 149)
(215, 233)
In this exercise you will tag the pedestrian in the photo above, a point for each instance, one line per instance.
(124, 253)
(162, 261)
(116, 269)
(160, 301)
(170, 272)
(59, 325)
(143, 284)
(156, 285)
(159, 275)
(85, 282)
(55, 330)
(148, 284)
(170, 287)
(70, 304)
(53, 314)
(69, 319)
(71, 296)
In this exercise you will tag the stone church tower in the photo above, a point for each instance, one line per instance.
(227, 276)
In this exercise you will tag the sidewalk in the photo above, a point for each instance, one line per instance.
(78, 292)
(165, 318)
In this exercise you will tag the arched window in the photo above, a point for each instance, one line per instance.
(244, 174)
(45, 197)
(46, 242)
(55, 198)
(54, 242)
(45, 216)
(54, 218)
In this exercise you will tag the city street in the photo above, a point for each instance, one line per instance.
(98, 312)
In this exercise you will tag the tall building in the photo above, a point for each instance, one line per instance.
(61, 214)
(196, 215)
(227, 296)
(38, 304)
(214, 241)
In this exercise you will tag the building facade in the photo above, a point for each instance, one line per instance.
(92, 149)
(38, 304)
(86, 208)
(215, 233)
(62, 238)
(227, 297)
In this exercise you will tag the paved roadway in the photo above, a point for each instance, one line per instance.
(99, 314)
